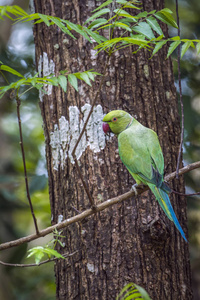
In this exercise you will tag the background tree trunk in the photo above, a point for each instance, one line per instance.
(132, 241)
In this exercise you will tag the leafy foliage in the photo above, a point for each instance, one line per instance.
(39, 251)
(133, 291)
(142, 30)
(39, 82)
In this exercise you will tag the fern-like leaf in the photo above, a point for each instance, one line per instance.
(133, 291)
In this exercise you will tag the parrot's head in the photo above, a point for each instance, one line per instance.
(116, 121)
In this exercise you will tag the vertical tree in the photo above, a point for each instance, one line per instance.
(132, 241)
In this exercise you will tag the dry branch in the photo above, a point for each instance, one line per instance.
(89, 212)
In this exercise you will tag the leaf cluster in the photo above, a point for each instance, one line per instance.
(49, 249)
(142, 29)
(39, 252)
(133, 291)
(38, 82)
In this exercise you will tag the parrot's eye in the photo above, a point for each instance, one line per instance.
(114, 119)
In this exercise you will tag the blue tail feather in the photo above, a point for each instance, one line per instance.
(165, 203)
(165, 196)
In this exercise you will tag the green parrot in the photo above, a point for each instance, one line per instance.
(140, 151)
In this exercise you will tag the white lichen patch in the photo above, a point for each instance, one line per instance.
(45, 68)
(66, 134)
(60, 218)
(93, 56)
(92, 268)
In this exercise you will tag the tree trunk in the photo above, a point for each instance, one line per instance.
(132, 241)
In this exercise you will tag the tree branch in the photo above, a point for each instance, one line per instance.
(182, 194)
(180, 94)
(100, 207)
(24, 164)
(36, 265)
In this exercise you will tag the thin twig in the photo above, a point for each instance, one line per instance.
(182, 194)
(36, 265)
(180, 95)
(100, 207)
(92, 107)
(85, 185)
(183, 170)
(24, 164)
(81, 134)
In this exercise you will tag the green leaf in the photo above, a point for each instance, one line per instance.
(97, 23)
(38, 86)
(20, 82)
(123, 13)
(167, 10)
(158, 46)
(123, 41)
(96, 73)
(160, 37)
(98, 14)
(122, 25)
(144, 29)
(78, 28)
(103, 5)
(142, 15)
(127, 21)
(90, 75)
(198, 48)
(133, 291)
(61, 244)
(45, 19)
(38, 256)
(125, 288)
(57, 21)
(154, 25)
(143, 293)
(97, 37)
(3, 90)
(62, 80)
(52, 252)
(10, 70)
(85, 77)
(38, 252)
(175, 38)
(151, 12)
(52, 80)
(166, 18)
(73, 81)
(135, 41)
(172, 47)
(127, 4)
(185, 47)
(19, 10)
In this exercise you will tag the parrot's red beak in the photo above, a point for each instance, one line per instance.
(106, 127)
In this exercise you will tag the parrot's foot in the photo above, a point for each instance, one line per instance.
(134, 188)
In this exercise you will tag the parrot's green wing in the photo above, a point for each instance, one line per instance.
(141, 153)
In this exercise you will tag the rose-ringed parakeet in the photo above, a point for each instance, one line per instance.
(140, 151)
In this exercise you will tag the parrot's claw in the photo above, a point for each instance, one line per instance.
(134, 188)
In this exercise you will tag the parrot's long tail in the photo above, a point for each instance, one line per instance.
(165, 203)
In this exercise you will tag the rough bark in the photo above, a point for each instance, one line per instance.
(132, 241)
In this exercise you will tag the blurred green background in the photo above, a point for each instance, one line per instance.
(17, 51)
